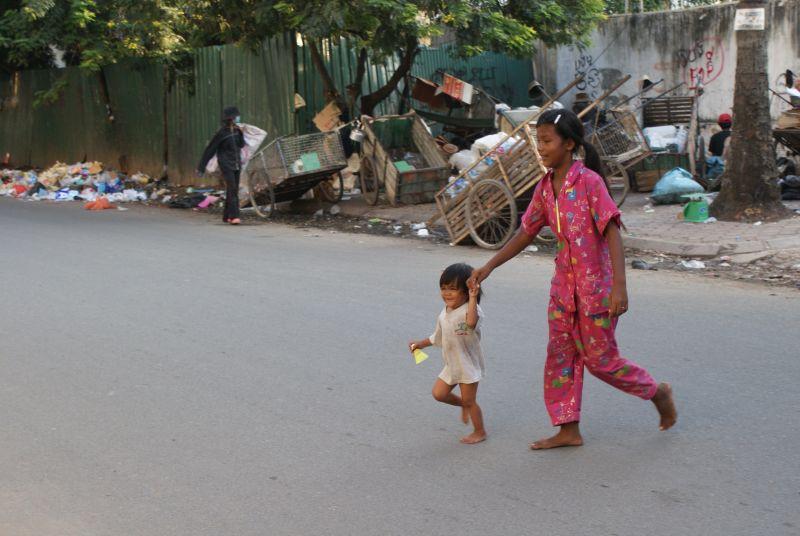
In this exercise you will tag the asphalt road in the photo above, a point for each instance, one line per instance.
(164, 374)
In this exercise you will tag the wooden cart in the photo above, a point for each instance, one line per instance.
(289, 167)
(486, 208)
(389, 142)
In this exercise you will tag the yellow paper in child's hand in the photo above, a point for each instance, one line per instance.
(419, 356)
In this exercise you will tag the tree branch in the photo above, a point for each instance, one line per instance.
(368, 102)
(328, 85)
(354, 89)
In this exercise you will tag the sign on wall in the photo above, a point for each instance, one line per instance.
(750, 19)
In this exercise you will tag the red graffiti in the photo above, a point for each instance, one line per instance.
(703, 62)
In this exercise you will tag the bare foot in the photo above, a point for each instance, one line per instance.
(464, 415)
(665, 406)
(473, 438)
(568, 436)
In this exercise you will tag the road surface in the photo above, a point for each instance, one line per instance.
(164, 374)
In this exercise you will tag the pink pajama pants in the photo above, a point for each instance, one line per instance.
(577, 340)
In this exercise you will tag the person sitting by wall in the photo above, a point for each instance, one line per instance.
(715, 164)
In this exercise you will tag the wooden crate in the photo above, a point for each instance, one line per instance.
(518, 167)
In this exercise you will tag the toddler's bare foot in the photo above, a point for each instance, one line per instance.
(665, 406)
(464, 415)
(568, 436)
(474, 437)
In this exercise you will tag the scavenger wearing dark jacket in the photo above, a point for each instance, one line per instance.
(227, 145)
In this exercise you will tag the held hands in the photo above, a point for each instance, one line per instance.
(618, 305)
(474, 288)
(478, 275)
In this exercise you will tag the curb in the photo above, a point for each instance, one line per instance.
(672, 248)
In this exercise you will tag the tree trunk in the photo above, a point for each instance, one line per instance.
(749, 190)
(369, 102)
(328, 85)
(354, 89)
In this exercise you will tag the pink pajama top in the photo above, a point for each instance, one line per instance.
(578, 216)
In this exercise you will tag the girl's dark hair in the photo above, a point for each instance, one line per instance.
(458, 274)
(569, 127)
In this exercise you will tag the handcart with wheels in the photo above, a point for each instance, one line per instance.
(485, 207)
(288, 167)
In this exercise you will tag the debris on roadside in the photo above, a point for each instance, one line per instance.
(77, 182)
(639, 264)
(693, 264)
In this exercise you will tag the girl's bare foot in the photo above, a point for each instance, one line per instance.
(665, 406)
(464, 415)
(568, 436)
(474, 437)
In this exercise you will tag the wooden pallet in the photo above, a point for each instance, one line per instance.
(668, 111)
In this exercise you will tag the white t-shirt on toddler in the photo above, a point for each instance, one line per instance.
(461, 346)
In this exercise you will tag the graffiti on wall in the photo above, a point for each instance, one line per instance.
(702, 62)
(596, 80)
(584, 66)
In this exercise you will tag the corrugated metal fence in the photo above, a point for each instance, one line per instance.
(135, 117)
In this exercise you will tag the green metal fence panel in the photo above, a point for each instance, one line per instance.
(501, 76)
(261, 84)
(73, 128)
(136, 91)
(194, 108)
(15, 119)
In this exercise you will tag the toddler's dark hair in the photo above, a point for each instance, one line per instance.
(569, 127)
(458, 274)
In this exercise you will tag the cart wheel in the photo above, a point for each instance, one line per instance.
(262, 195)
(331, 190)
(491, 214)
(369, 181)
(619, 182)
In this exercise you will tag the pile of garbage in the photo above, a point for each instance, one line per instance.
(86, 181)
(476, 157)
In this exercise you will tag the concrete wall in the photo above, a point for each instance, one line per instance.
(677, 46)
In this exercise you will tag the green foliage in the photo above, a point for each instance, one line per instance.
(91, 33)
(50, 95)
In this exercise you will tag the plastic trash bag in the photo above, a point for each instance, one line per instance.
(715, 167)
(675, 183)
(253, 138)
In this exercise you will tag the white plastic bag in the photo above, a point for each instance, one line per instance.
(253, 138)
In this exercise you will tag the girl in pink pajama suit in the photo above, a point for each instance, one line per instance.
(588, 291)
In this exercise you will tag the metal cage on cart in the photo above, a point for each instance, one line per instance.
(621, 145)
(289, 167)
